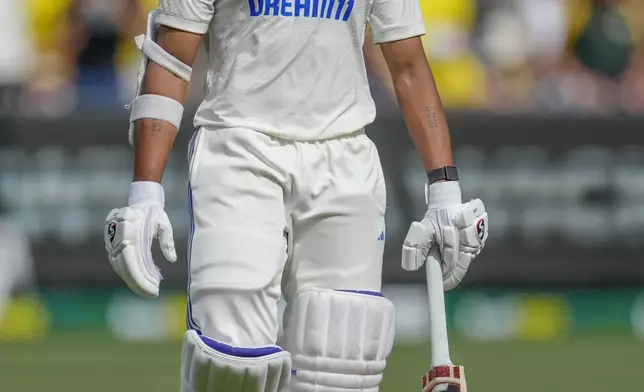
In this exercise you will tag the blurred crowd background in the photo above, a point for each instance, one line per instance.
(545, 104)
(504, 55)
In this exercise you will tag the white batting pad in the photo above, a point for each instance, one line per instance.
(211, 366)
(339, 340)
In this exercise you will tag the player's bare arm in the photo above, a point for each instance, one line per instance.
(419, 101)
(155, 117)
(153, 138)
(452, 233)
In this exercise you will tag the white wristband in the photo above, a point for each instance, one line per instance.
(157, 107)
(442, 194)
(146, 192)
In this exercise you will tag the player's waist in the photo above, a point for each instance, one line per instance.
(292, 134)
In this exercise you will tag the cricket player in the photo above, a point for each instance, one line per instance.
(287, 197)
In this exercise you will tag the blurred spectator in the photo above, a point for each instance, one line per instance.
(559, 55)
(525, 55)
(521, 41)
(449, 43)
(50, 89)
(602, 43)
(504, 55)
(16, 54)
(633, 81)
(82, 47)
(633, 85)
(103, 27)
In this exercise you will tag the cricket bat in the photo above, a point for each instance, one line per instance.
(443, 376)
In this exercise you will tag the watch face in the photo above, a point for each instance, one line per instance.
(445, 173)
(452, 173)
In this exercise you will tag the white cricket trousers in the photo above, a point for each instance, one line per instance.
(271, 217)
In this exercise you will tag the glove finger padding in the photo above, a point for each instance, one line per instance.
(467, 213)
(449, 249)
(141, 284)
(166, 238)
(456, 275)
(463, 241)
(418, 242)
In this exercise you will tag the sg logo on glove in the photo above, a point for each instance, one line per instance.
(480, 229)
(111, 231)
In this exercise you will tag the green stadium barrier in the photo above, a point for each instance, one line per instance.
(483, 315)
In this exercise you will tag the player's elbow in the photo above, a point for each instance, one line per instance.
(410, 74)
(403, 83)
(408, 71)
(405, 76)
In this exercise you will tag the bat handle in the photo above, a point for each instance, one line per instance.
(437, 318)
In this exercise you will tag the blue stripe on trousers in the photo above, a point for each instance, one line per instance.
(190, 322)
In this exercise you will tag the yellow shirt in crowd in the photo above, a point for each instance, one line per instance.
(127, 53)
(48, 19)
(460, 77)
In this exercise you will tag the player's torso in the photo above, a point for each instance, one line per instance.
(271, 30)
(302, 58)
(288, 35)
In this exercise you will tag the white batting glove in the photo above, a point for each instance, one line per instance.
(458, 229)
(129, 233)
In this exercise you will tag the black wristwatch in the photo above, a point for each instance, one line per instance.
(445, 173)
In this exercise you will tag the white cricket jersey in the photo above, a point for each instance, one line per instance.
(290, 68)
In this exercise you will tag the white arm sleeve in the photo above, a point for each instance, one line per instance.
(193, 16)
(393, 20)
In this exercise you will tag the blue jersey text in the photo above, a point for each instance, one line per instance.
(323, 9)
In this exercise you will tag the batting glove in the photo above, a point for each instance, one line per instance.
(458, 229)
(129, 233)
